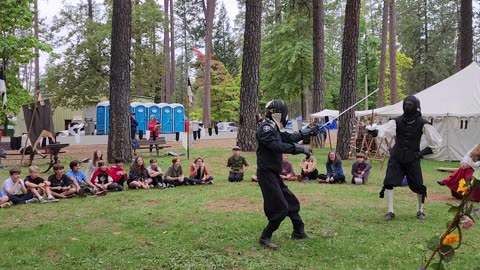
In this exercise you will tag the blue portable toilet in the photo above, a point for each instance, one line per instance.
(167, 118)
(178, 117)
(102, 117)
(140, 115)
(153, 109)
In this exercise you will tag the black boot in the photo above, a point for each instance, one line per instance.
(300, 236)
(267, 242)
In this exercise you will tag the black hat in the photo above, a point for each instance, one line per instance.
(236, 148)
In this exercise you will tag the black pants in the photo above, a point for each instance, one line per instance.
(157, 180)
(336, 178)
(235, 177)
(278, 202)
(412, 170)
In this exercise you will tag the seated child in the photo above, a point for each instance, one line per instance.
(13, 185)
(4, 201)
(287, 169)
(334, 170)
(38, 186)
(360, 170)
(309, 168)
(174, 176)
(199, 173)
(60, 184)
(103, 180)
(155, 172)
(79, 179)
(138, 176)
(237, 165)
(118, 173)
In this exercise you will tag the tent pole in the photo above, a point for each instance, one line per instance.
(37, 96)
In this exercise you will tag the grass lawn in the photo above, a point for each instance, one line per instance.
(217, 226)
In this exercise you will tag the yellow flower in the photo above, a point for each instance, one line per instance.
(462, 186)
(451, 239)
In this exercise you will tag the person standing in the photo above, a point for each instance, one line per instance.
(405, 155)
(154, 127)
(133, 126)
(278, 201)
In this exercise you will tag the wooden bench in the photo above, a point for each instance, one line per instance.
(159, 143)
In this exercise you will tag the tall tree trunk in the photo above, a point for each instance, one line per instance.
(278, 12)
(466, 33)
(250, 81)
(166, 51)
(425, 29)
(137, 57)
(209, 14)
(348, 87)
(37, 52)
(119, 144)
(90, 9)
(318, 57)
(173, 81)
(393, 54)
(383, 57)
(458, 57)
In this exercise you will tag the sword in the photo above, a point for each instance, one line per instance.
(350, 108)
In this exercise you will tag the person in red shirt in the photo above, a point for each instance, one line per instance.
(118, 173)
(154, 127)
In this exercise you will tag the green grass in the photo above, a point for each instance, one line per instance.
(217, 226)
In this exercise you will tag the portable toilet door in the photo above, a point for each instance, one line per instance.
(178, 117)
(154, 110)
(101, 117)
(141, 117)
(167, 118)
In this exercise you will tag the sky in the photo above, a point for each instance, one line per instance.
(49, 8)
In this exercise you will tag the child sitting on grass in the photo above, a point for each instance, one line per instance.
(60, 184)
(13, 185)
(360, 170)
(38, 186)
(103, 180)
(4, 201)
(237, 165)
(119, 175)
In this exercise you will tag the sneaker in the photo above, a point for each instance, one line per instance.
(160, 186)
(32, 200)
(389, 216)
(52, 199)
(421, 215)
(305, 179)
(5, 205)
(42, 200)
(300, 236)
(440, 182)
(151, 186)
(267, 242)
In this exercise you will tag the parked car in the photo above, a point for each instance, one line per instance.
(227, 126)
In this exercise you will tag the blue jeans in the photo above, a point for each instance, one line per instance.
(20, 198)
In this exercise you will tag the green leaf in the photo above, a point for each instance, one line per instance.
(449, 256)
(432, 243)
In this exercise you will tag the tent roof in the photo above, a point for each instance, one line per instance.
(326, 112)
(457, 95)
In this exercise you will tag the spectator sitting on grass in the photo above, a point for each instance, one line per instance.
(360, 170)
(79, 179)
(237, 165)
(174, 175)
(308, 168)
(60, 185)
(138, 176)
(13, 185)
(199, 173)
(38, 186)
(156, 173)
(288, 174)
(103, 180)
(119, 174)
(334, 170)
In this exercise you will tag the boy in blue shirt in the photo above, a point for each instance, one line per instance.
(79, 179)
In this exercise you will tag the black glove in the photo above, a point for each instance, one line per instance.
(424, 152)
(313, 130)
(300, 149)
(373, 133)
